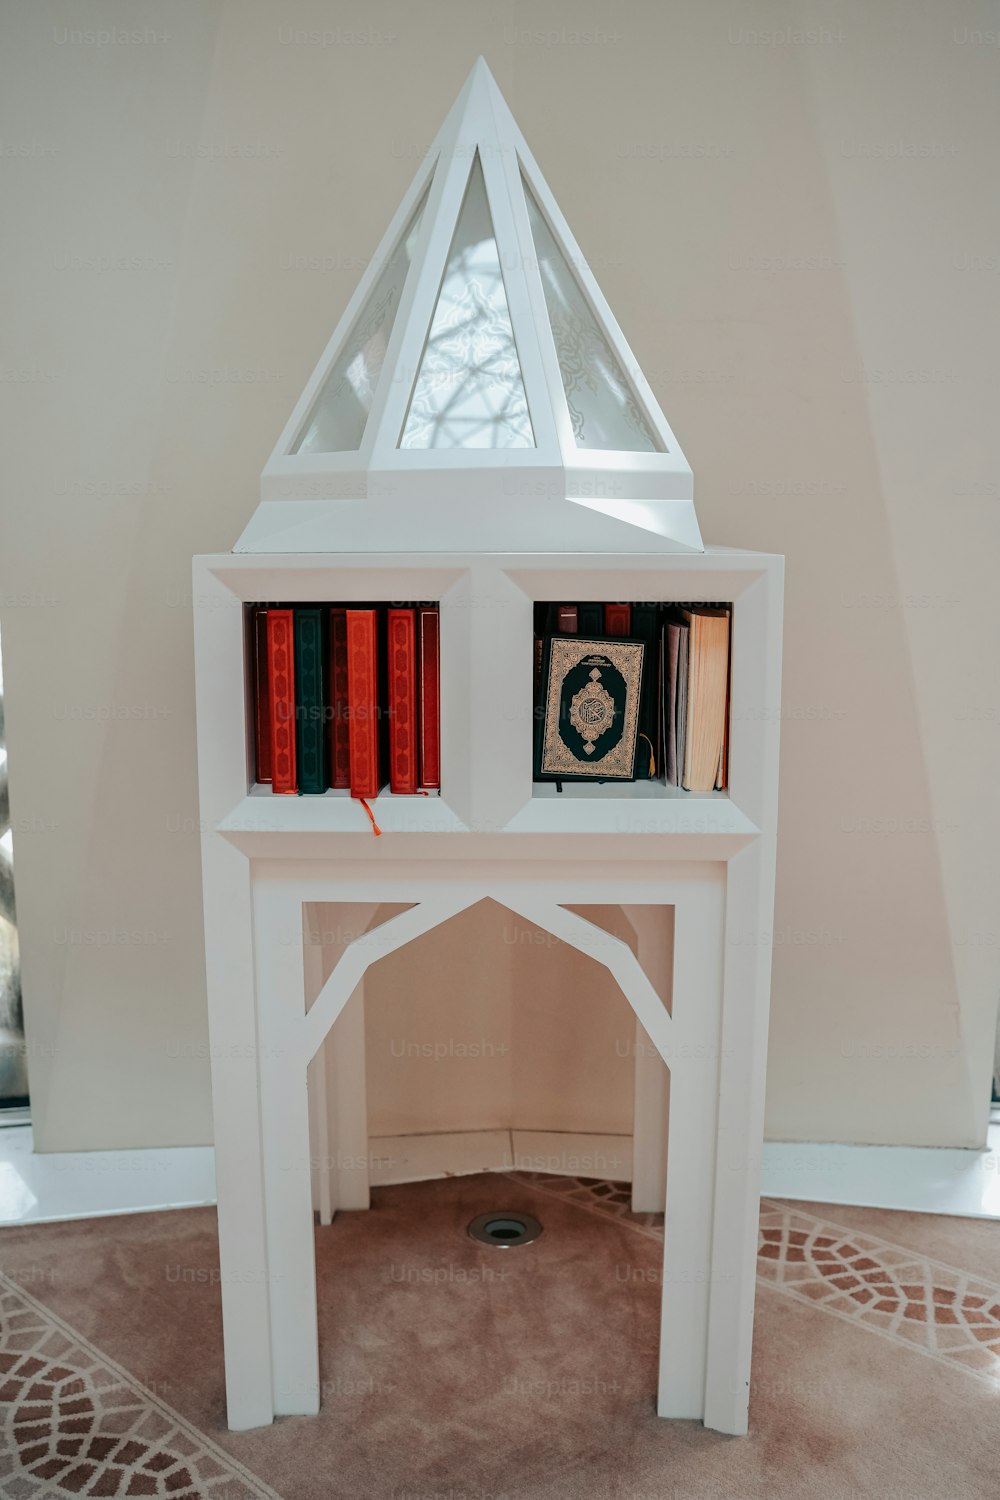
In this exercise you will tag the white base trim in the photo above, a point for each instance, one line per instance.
(418, 1158)
(916, 1179)
(45, 1188)
(567, 1153)
(17, 1114)
(41, 1189)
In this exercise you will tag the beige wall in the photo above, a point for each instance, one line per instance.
(467, 1026)
(797, 229)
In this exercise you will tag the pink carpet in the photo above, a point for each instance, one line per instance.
(461, 1372)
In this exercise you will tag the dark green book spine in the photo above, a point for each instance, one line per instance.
(310, 700)
(645, 628)
(591, 619)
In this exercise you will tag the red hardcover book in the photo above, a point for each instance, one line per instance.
(403, 749)
(617, 619)
(340, 728)
(568, 619)
(363, 701)
(261, 697)
(281, 681)
(428, 625)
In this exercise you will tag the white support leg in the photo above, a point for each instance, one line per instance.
(338, 1097)
(319, 1125)
(321, 1158)
(649, 1127)
(653, 926)
(285, 1120)
(694, 1072)
(749, 909)
(238, 1150)
(348, 1105)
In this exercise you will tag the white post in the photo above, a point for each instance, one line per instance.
(285, 1120)
(749, 915)
(319, 1125)
(653, 926)
(338, 1099)
(694, 1073)
(348, 1104)
(237, 1125)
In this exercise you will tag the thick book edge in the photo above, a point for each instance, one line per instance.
(404, 771)
(362, 677)
(310, 700)
(429, 646)
(261, 697)
(340, 727)
(281, 677)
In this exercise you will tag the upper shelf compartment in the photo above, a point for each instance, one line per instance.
(631, 698)
(343, 699)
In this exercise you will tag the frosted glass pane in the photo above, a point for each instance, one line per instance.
(602, 406)
(337, 421)
(469, 392)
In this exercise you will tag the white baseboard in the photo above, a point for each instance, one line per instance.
(46, 1187)
(570, 1154)
(916, 1179)
(37, 1189)
(420, 1158)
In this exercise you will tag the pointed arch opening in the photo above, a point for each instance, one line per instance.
(489, 1033)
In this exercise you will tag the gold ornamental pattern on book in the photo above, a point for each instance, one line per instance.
(592, 711)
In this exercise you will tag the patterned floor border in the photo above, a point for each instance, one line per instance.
(76, 1423)
(610, 1200)
(922, 1304)
(899, 1294)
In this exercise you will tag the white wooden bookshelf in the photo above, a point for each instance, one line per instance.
(444, 529)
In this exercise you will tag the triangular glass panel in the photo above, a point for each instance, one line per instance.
(469, 392)
(602, 405)
(337, 421)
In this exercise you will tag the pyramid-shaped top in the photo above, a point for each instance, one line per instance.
(477, 393)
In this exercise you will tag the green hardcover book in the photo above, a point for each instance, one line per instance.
(645, 628)
(590, 618)
(311, 706)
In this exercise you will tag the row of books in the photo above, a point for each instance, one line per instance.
(633, 691)
(346, 696)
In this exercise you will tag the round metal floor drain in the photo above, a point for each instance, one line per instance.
(504, 1229)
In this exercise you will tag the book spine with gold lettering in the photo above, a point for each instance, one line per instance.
(281, 681)
(340, 731)
(364, 702)
(428, 644)
(404, 770)
(310, 700)
(261, 697)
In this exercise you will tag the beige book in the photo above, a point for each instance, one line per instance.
(707, 695)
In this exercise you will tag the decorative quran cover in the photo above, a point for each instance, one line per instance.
(590, 709)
